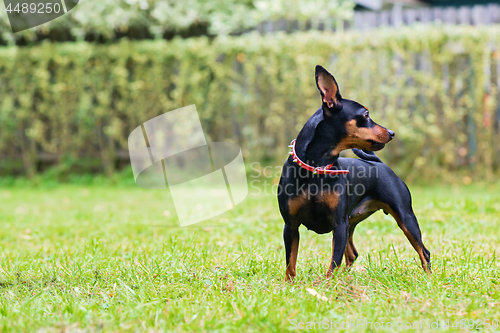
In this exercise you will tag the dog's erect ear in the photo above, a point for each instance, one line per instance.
(328, 88)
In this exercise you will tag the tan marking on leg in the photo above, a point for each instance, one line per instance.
(330, 270)
(350, 251)
(417, 248)
(291, 269)
(413, 242)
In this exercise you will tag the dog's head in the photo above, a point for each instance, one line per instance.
(349, 117)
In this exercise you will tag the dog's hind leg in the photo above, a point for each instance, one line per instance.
(407, 221)
(397, 202)
(351, 253)
(363, 210)
(291, 237)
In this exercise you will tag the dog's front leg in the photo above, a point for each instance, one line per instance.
(339, 243)
(291, 237)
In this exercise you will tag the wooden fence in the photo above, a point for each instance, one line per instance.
(465, 15)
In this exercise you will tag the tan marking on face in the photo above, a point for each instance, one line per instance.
(330, 199)
(357, 137)
(296, 203)
(328, 88)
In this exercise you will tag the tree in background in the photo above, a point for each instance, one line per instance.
(140, 19)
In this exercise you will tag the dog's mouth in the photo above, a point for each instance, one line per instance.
(376, 145)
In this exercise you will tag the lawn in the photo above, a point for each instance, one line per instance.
(113, 258)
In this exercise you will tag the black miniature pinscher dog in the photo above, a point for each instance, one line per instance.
(337, 202)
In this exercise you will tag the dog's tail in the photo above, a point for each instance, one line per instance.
(366, 155)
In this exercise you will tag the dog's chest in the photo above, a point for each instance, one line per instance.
(318, 212)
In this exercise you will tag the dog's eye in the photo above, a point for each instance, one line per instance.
(367, 115)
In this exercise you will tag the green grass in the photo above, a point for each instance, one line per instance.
(113, 258)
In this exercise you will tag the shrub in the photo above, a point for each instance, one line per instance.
(436, 87)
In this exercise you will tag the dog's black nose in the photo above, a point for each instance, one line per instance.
(391, 133)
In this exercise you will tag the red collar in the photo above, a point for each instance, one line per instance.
(315, 170)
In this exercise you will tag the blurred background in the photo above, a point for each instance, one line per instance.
(72, 90)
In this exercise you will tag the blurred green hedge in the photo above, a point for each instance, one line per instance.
(74, 104)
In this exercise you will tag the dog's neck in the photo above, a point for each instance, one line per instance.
(320, 153)
(321, 150)
(318, 143)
